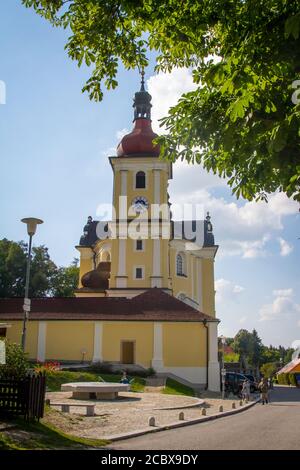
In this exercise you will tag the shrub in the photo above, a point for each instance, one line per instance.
(268, 369)
(283, 379)
(292, 379)
(16, 361)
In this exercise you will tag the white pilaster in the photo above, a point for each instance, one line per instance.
(157, 361)
(213, 363)
(41, 346)
(156, 270)
(121, 278)
(98, 335)
(156, 186)
(123, 174)
(200, 282)
(192, 277)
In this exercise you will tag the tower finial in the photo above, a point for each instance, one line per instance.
(142, 72)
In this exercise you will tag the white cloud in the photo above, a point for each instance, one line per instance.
(283, 306)
(283, 292)
(241, 228)
(285, 247)
(227, 290)
(166, 89)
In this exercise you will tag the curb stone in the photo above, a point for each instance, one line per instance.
(178, 424)
(199, 402)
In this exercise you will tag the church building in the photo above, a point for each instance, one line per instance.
(146, 292)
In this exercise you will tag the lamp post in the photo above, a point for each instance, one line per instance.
(223, 370)
(31, 223)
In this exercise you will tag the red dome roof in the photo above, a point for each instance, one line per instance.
(139, 141)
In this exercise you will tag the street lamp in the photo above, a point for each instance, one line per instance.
(223, 370)
(31, 223)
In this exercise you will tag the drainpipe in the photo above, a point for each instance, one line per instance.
(207, 352)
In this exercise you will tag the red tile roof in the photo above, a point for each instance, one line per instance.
(152, 305)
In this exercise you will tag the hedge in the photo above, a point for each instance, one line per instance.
(287, 379)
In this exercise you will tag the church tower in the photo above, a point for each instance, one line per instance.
(140, 257)
(142, 247)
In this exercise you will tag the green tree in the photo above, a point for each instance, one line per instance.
(242, 121)
(42, 273)
(66, 280)
(46, 279)
(256, 348)
(242, 345)
(12, 268)
(269, 369)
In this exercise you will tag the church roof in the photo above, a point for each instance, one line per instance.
(152, 305)
(139, 142)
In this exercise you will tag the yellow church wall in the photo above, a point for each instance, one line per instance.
(86, 262)
(114, 262)
(181, 284)
(66, 339)
(140, 332)
(136, 259)
(184, 345)
(208, 300)
(14, 334)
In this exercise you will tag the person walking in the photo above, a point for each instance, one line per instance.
(246, 390)
(264, 389)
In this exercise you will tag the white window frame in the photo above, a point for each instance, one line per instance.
(184, 265)
(143, 273)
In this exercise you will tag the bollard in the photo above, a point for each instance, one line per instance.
(203, 412)
(152, 421)
(233, 405)
(47, 402)
(181, 416)
(220, 409)
(241, 402)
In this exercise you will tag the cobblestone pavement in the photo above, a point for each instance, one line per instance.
(131, 412)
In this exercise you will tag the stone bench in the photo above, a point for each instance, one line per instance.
(95, 390)
(65, 407)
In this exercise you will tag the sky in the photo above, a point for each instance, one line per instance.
(54, 144)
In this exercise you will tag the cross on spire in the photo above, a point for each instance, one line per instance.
(142, 72)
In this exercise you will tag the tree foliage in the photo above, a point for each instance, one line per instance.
(240, 122)
(46, 279)
(269, 369)
(250, 348)
(16, 361)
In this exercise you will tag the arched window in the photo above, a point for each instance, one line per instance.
(179, 265)
(140, 180)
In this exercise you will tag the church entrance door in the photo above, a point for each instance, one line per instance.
(127, 352)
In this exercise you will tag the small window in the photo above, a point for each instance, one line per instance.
(179, 265)
(139, 245)
(2, 332)
(139, 273)
(140, 180)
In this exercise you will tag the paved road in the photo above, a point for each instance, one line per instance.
(273, 426)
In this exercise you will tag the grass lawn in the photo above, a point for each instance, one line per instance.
(56, 378)
(175, 388)
(21, 435)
